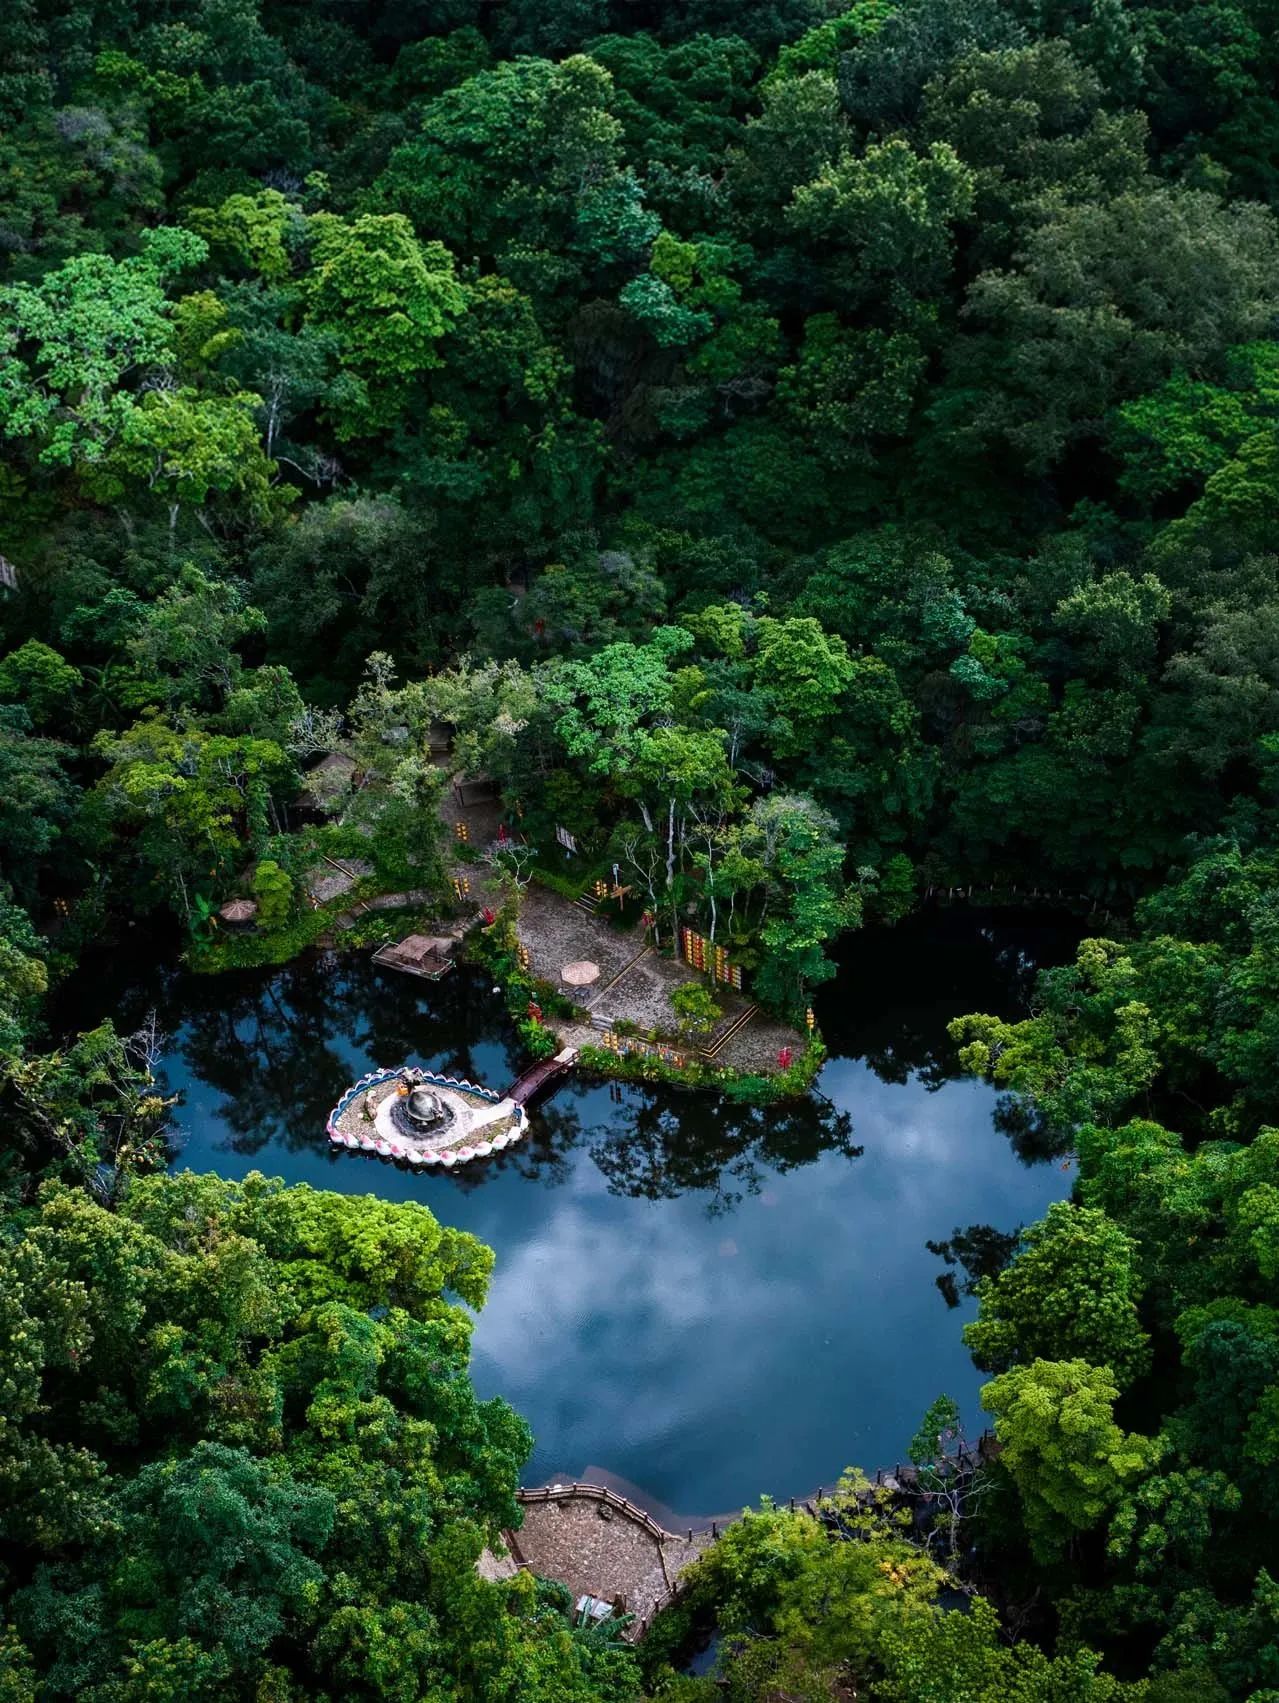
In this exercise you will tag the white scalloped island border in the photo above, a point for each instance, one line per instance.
(496, 1107)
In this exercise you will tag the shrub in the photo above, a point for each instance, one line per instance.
(539, 1041)
(273, 890)
(695, 1006)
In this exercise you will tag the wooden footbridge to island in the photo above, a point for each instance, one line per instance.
(534, 1081)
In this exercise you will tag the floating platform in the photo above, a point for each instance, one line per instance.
(427, 955)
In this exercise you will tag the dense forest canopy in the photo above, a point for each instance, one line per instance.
(803, 453)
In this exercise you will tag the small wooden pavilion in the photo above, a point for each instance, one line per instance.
(325, 786)
(426, 955)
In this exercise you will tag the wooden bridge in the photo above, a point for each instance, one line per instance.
(538, 1077)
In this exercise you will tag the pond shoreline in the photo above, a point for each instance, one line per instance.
(711, 1296)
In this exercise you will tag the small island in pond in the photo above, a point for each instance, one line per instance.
(424, 1119)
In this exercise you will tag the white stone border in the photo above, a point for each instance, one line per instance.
(402, 1151)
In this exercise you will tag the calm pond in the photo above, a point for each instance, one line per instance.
(705, 1300)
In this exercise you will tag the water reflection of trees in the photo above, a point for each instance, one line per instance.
(658, 1144)
(1033, 1137)
(899, 987)
(897, 992)
(979, 1251)
(280, 1048)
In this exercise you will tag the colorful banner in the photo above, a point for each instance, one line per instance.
(712, 960)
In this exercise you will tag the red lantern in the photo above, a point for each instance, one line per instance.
(784, 1058)
(489, 916)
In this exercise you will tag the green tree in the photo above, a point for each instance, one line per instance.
(804, 671)
(23, 976)
(37, 796)
(75, 342)
(1062, 1449)
(807, 903)
(696, 1008)
(184, 809)
(387, 299)
(93, 1107)
(1071, 1289)
(258, 232)
(184, 647)
(213, 1561)
(280, 1461)
(188, 450)
(524, 162)
(939, 1656)
(852, 388)
(893, 211)
(41, 680)
(1107, 301)
(1085, 1057)
(273, 890)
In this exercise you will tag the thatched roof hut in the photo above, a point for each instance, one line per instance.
(428, 955)
(324, 786)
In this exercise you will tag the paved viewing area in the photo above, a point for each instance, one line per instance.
(635, 980)
(599, 1544)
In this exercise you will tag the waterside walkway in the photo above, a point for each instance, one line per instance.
(599, 1544)
(602, 1544)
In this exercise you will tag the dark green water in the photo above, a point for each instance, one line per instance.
(705, 1300)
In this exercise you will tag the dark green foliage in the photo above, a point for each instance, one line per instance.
(808, 454)
(276, 1460)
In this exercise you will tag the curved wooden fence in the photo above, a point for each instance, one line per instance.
(639, 1624)
(598, 1493)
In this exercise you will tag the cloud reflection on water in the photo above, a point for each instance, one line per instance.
(618, 1321)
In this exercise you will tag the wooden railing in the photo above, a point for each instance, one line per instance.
(1017, 894)
(598, 1493)
(527, 1086)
